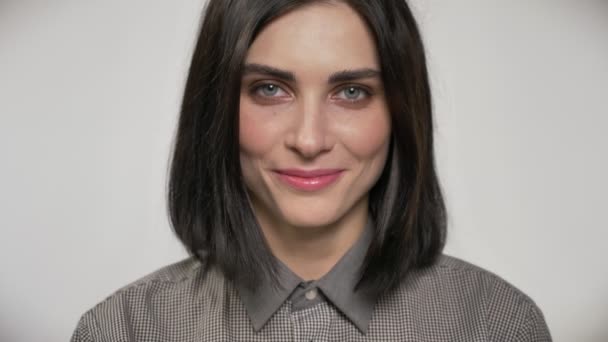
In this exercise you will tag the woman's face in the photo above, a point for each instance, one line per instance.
(314, 124)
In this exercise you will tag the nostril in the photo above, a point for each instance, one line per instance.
(310, 147)
(309, 134)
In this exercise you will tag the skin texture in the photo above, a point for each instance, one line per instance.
(308, 123)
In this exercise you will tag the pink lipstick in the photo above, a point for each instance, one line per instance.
(308, 180)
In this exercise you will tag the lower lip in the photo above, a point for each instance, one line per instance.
(309, 183)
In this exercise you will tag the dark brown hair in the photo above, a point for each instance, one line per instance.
(207, 199)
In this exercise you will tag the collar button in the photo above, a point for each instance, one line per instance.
(311, 294)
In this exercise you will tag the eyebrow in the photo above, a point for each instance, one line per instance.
(288, 76)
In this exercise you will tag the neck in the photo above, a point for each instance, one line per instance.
(310, 252)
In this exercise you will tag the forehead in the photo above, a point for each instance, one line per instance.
(318, 36)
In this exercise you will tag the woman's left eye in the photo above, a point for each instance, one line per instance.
(353, 93)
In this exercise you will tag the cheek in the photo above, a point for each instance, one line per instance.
(254, 142)
(368, 138)
(256, 135)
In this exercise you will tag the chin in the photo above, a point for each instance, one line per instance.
(311, 217)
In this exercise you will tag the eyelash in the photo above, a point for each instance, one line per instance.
(365, 92)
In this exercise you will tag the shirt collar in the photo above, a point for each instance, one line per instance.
(337, 285)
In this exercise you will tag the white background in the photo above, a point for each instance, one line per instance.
(89, 96)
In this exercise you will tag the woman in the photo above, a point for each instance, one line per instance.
(311, 205)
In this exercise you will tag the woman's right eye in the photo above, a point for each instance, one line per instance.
(268, 90)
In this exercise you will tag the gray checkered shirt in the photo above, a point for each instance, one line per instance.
(192, 301)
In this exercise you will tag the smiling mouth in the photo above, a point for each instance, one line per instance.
(308, 180)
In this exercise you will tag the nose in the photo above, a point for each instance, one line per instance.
(309, 135)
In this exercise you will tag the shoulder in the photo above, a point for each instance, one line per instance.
(171, 274)
(165, 291)
(454, 290)
(455, 274)
(172, 280)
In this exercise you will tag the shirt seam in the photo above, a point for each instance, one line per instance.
(521, 300)
(494, 279)
(139, 283)
(524, 330)
(95, 328)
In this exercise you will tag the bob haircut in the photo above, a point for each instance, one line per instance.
(207, 200)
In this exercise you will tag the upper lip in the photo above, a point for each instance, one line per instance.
(308, 173)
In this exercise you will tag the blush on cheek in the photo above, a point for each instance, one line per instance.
(253, 132)
(249, 137)
(368, 138)
(261, 130)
